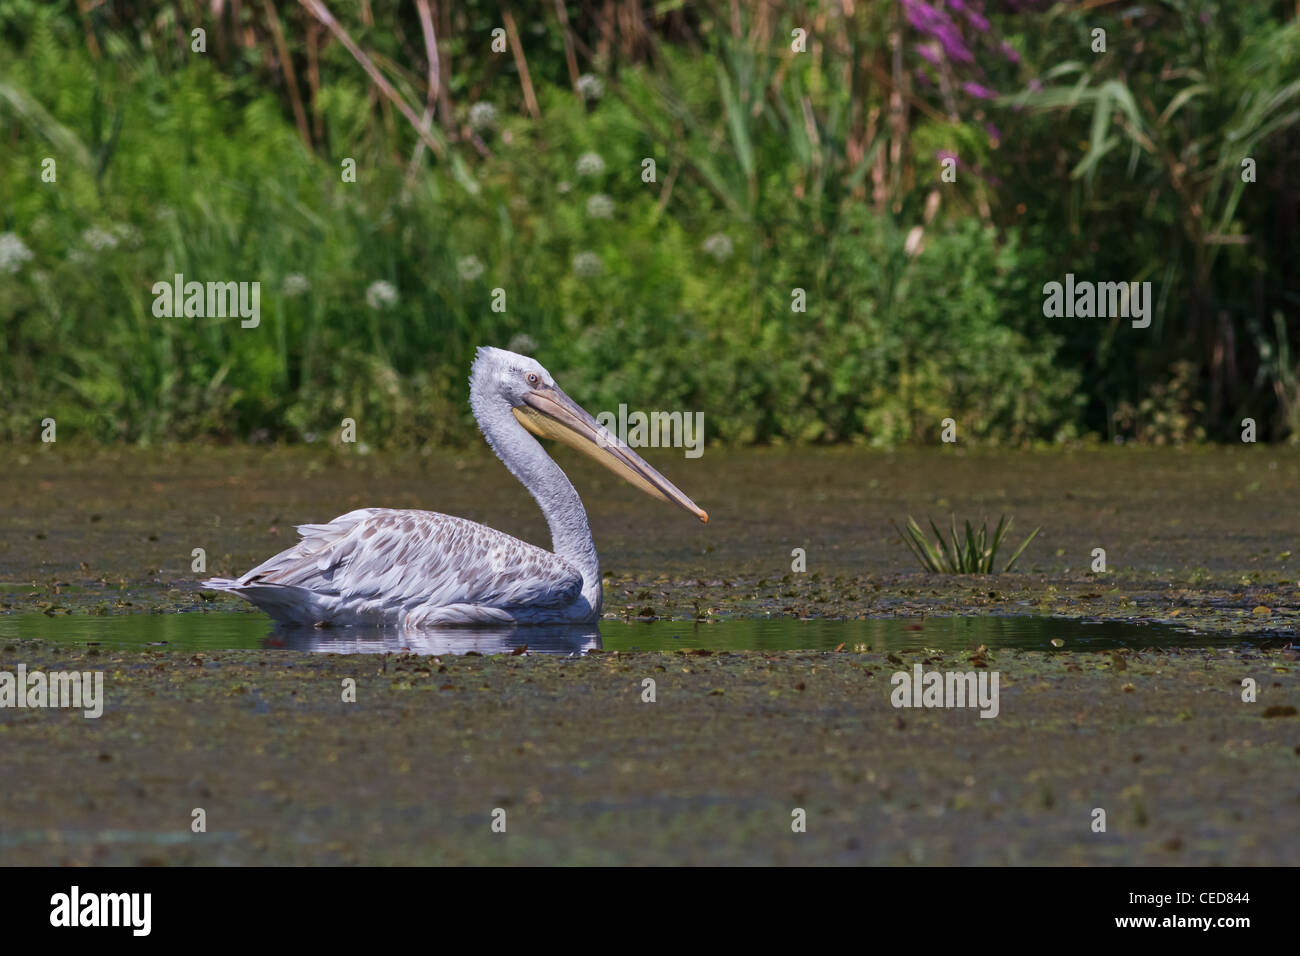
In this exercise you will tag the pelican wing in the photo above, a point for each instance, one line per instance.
(401, 559)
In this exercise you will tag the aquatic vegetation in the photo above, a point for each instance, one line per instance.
(972, 553)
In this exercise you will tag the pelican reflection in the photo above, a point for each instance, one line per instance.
(360, 639)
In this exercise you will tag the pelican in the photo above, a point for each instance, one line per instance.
(416, 568)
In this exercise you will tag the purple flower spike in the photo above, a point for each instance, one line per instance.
(929, 53)
(922, 16)
(1010, 53)
(979, 92)
(952, 43)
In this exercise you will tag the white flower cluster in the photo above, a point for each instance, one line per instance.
(523, 343)
(587, 265)
(128, 234)
(590, 164)
(482, 117)
(13, 252)
(590, 87)
(469, 268)
(97, 240)
(381, 295)
(718, 246)
(600, 206)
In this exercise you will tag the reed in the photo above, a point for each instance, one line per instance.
(973, 551)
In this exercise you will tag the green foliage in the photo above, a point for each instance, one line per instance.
(1169, 414)
(974, 552)
(889, 346)
(1166, 129)
(775, 173)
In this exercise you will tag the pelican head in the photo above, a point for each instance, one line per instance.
(541, 406)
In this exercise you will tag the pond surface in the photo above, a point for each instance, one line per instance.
(1202, 537)
(220, 631)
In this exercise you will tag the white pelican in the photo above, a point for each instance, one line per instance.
(414, 568)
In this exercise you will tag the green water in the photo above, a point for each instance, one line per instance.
(251, 631)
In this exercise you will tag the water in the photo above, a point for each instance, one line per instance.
(217, 631)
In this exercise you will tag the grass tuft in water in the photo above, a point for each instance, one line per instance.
(975, 552)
